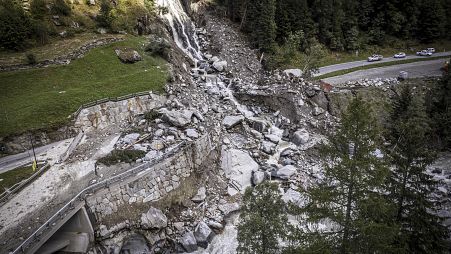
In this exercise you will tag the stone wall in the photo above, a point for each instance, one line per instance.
(149, 185)
(117, 112)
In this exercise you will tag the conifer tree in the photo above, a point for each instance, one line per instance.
(440, 110)
(263, 220)
(350, 195)
(410, 187)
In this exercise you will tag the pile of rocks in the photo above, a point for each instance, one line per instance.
(378, 82)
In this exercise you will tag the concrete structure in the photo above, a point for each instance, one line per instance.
(71, 228)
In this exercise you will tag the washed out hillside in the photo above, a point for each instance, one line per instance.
(225, 126)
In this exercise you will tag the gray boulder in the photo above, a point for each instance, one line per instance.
(179, 118)
(258, 177)
(258, 124)
(318, 111)
(127, 55)
(188, 241)
(286, 172)
(203, 234)
(238, 167)
(192, 133)
(301, 137)
(200, 196)
(220, 65)
(293, 73)
(268, 147)
(231, 121)
(154, 219)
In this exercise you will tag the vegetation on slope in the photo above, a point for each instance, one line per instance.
(43, 98)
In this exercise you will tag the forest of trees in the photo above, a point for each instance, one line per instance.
(372, 204)
(341, 24)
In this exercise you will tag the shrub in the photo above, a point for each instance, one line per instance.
(117, 156)
(159, 46)
(105, 19)
(60, 7)
(41, 32)
(15, 25)
(38, 9)
(31, 58)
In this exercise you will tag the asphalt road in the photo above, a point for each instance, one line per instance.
(415, 70)
(13, 161)
(350, 65)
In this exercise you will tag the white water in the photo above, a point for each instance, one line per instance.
(179, 22)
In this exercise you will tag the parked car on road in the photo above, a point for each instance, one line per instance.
(375, 58)
(432, 50)
(400, 55)
(424, 53)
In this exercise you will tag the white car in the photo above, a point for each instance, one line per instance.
(424, 53)
(375, 58)
(400, 55)
(432, 50)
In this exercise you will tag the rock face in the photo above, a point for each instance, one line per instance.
(286, 172)
(179, 118)
(301, 137)
(203, 234)
(153, 219)
(188, 241)
(127, 55)
(238, 166)
(231, 121)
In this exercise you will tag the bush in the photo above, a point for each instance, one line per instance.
(41, 32)
(31, 58)
(38, 9)
(159, 46)
(117, 156)
(105, 19)
(15, 25)
(60, 7)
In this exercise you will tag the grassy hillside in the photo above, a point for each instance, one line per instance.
(43, 98)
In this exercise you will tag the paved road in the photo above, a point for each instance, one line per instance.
(350, 65)
(10, 162)
(415, 70)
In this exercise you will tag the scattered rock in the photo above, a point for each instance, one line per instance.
(293, 73)
(192, 133)
(203, 234)
(220, 65)
(200, 196)
(286, 172)
(318, 111)
(179, 118)
(188, 241)
(301, 137)
(231, 121)
(153, 219)
(258, 177)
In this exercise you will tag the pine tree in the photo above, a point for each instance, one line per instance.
(350, 193)
(431, 23)
(263, 220)
(409, 186)
(440, 110)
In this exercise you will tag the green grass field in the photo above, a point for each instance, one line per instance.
(14, 176)
(44, 98)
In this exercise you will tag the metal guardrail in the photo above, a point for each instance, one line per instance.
(81, 196)
(5, 196)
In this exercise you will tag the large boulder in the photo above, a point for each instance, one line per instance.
(231, 121)
(286, 172)
(203, 234)
(154, 219)
(188, 241)
(293, 73)
(258, 124)
(238, 167)
(294, 197)
(258, 177)
(301, 137)
(127, 55)
(179, 118)
(220, 65)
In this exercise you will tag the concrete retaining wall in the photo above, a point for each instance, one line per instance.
(152, 183)
(116, 112)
